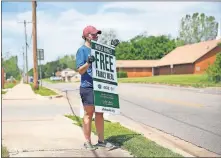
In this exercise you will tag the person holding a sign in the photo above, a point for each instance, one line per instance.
(84, 65)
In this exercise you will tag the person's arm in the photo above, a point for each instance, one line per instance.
(81, 66)
(82, 69)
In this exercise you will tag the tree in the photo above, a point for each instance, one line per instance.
(197, 28)
(107, 36)
(11, 68)
(145, 48)
(50, 68)
(179, 42)
(67, 62)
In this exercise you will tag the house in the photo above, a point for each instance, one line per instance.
(76, 78)
(67, 74)
(136, 68)
(187, 59)
(58, 74)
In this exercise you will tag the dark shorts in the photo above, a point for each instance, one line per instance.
(87, 96)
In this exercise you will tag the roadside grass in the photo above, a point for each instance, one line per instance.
(50, 81)
(43, 91)
(133, 142)
(181, 80)
(9, 85)
(3, 92)
(5, 152)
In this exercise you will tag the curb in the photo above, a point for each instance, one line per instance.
(60, 94)
(53, 96)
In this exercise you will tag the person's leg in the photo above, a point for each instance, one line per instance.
(87, 100)
(99, 123)
(88, 114)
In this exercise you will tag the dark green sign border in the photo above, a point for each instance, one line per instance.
(105, 81)
(102, 48)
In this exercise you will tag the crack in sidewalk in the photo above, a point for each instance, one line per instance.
(28, 120)
(42, 150)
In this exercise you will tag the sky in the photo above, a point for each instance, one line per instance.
(60, 24)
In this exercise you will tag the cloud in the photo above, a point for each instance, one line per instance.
(60, 33)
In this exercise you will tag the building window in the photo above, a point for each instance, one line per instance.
(197, 68)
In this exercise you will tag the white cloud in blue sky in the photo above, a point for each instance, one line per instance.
(60, 24)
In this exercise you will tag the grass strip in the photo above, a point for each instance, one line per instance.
(181, 80)
(43, 91)
(129, 140)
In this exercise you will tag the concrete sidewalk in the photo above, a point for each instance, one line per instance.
(47, 137)
(37, 128)
(20, 92)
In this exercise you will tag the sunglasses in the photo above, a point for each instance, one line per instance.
(94, 35)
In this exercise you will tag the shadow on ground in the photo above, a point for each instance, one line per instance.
(119, 140)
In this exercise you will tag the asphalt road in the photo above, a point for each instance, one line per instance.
(190, 114)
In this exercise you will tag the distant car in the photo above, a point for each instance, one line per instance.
(31, 80)
(54, 78)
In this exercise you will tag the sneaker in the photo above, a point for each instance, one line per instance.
(89, 146)
(105, 145)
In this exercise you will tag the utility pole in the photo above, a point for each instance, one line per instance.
(26, 48)
(34, 31)
(23, 54)
(26, 51)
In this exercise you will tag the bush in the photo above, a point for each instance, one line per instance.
(122, 74)
(18, 78)
(214, 71)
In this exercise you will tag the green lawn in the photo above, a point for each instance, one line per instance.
(43, 91)
(182, 80)
(9, 85)
(50, 81)
(131, 141)
(5, 152)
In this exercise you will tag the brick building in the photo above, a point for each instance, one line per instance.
(188, 59)
(136, 68)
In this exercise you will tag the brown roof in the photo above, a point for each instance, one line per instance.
(188, 53)
(136, 63)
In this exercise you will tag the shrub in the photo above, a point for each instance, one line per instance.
(214, 71)
(122, 74)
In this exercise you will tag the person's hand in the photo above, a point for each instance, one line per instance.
(90, 59)
(115, 42)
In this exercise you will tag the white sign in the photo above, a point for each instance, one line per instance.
(104, 75)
